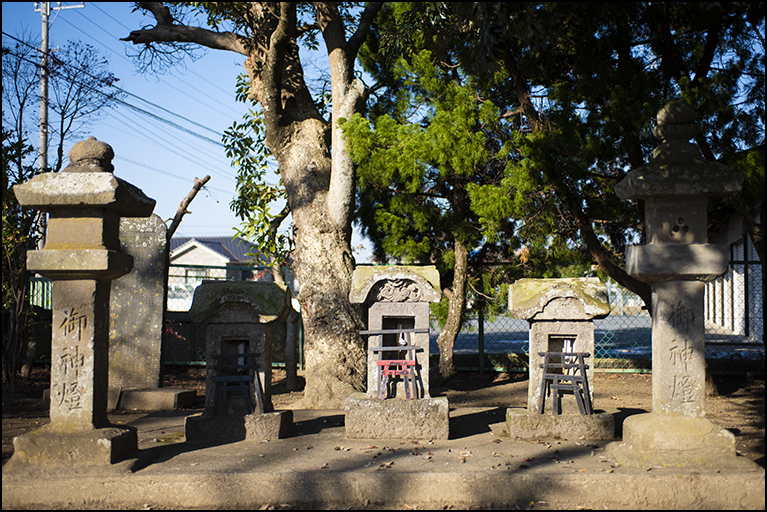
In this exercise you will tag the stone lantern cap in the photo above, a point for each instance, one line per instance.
(559, 299)
(268, 302)
(401, 283)
(677, 167)
(87, 182)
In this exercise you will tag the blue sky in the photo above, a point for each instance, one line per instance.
(151, 154)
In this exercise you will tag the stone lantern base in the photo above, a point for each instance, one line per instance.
(53, 445)
(523, 424)
(676, 441)
(373, 418)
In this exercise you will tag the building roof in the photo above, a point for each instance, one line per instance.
(232, 249)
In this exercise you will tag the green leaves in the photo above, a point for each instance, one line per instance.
(257, 199)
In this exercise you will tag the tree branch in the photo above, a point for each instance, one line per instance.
(712, 40)
(274, 64)
(198, 184)
(359, 36)
(166, 31)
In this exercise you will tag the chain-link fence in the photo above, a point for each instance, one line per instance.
(623, 340)
(734, 317)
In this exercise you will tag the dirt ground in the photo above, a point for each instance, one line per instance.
(739, 406)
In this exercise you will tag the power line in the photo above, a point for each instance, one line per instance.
(168, 146)
(155, 169)
(128, 60)
(138, 109)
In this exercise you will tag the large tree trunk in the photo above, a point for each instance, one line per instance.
(335, 354)
(336, 362)
(320, 189)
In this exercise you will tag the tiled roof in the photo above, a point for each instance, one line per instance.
(231, 249)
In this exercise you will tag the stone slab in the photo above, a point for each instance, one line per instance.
(371, 418)
(269, 426)
(522, 424)
(153, 399)
(52, 444)
(136, 304)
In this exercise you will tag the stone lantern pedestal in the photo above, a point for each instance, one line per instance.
(561, 315)
(81, 255)
(239, 317)
(677, 261)
(398, 300)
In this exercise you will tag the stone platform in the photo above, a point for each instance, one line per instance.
(371, 418)
(269, 426)
(477, 466)
(522, 424)
(54, 444)
(674, 441)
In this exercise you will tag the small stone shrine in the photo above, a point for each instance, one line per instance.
(397, 403)
(677, 261)
(561, 315)
(239, 317)
(81, 255)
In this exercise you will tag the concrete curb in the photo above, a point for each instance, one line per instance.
(425, 489)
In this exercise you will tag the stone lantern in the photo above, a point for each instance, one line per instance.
(81, 255)
(677, 261)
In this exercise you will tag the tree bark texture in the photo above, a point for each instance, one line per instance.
(320, 187)
(456, 308)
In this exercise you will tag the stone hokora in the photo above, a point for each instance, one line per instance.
(239, 317)
(561, 315)
(397, 406)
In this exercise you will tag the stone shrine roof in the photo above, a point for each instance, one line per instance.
(559, 299)
(425, 279)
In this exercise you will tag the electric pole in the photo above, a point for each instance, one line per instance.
(45, 11)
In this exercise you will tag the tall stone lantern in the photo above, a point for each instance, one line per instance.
(677, 261)
(82, 255)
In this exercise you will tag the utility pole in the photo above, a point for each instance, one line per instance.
(44, 8)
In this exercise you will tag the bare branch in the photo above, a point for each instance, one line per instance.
(356, 40)
(166, 31)
(198, 184)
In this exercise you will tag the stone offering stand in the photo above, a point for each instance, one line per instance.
(239, 316)
(560, 313)
(398, 299)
